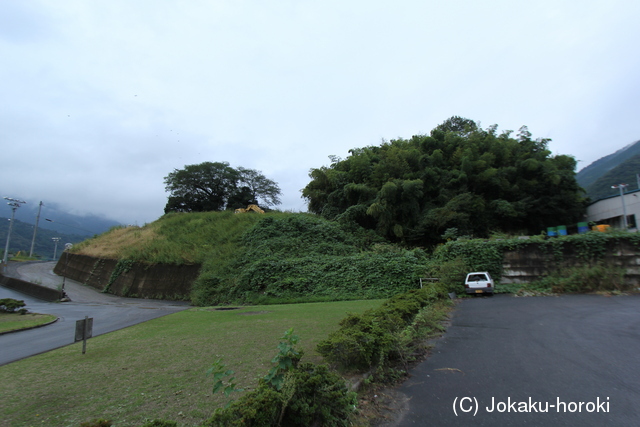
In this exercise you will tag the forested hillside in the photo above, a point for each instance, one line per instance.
(56, 218)
(22, 236)
(624, 173)
(459, 180)
(597, 170)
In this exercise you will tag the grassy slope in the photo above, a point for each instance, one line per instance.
(157, 369)
(174, 239)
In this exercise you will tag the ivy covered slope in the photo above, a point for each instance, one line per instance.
(459, 177)
(302, 257)
(270, 258)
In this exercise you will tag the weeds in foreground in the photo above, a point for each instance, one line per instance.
(292, 394)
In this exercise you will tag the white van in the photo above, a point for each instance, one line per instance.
(479, 282)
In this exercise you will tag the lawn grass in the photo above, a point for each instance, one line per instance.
(14, 321)
(157, 369)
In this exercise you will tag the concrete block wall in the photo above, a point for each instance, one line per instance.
(530, 263)
(31, 289)
(161, 281)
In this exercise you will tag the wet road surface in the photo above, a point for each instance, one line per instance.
(109, 312)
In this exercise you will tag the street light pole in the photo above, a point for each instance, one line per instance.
(15, 204)
(621, 187)
(55, 248)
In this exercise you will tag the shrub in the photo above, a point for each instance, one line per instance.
(587, 278)
(260, 407)
(371, 339)
(451, 273)
(310, 395)
(10, 305)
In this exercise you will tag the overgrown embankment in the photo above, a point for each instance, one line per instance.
(285, 257)
(303, 257)
(251, 258)
(159, 260)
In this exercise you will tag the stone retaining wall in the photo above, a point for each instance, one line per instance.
(530, 263)
(159, 281)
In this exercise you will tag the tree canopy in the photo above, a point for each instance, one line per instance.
(459, 180)
(215, 186)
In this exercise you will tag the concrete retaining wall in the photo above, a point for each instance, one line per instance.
(530, 263)
(160, 281)
(31, 289)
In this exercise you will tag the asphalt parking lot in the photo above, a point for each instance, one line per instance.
(539, 361)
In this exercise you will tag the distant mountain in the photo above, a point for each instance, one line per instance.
(52, 217)
(22, 236)
(624, 173)
(620, 167)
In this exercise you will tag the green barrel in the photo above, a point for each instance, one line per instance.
(551, 231)
(562, 230)
(583, 227)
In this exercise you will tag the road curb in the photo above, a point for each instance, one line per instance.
(31, 327)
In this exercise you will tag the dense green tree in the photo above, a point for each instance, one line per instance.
(460, 176)
(214, 186)
(259, 186)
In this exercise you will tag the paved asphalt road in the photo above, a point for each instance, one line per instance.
(560, 351)
(109, 312)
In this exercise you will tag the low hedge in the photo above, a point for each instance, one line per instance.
(374, 338)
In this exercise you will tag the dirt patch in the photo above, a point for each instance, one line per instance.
(387, 407)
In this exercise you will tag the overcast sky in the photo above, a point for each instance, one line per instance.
(101, 99)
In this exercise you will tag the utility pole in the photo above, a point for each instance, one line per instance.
(621, 187)
(55, 248)
(35, 230)
(15, 204)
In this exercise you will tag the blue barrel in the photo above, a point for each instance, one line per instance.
(562, 230)
(551, 232)
(583, 227)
